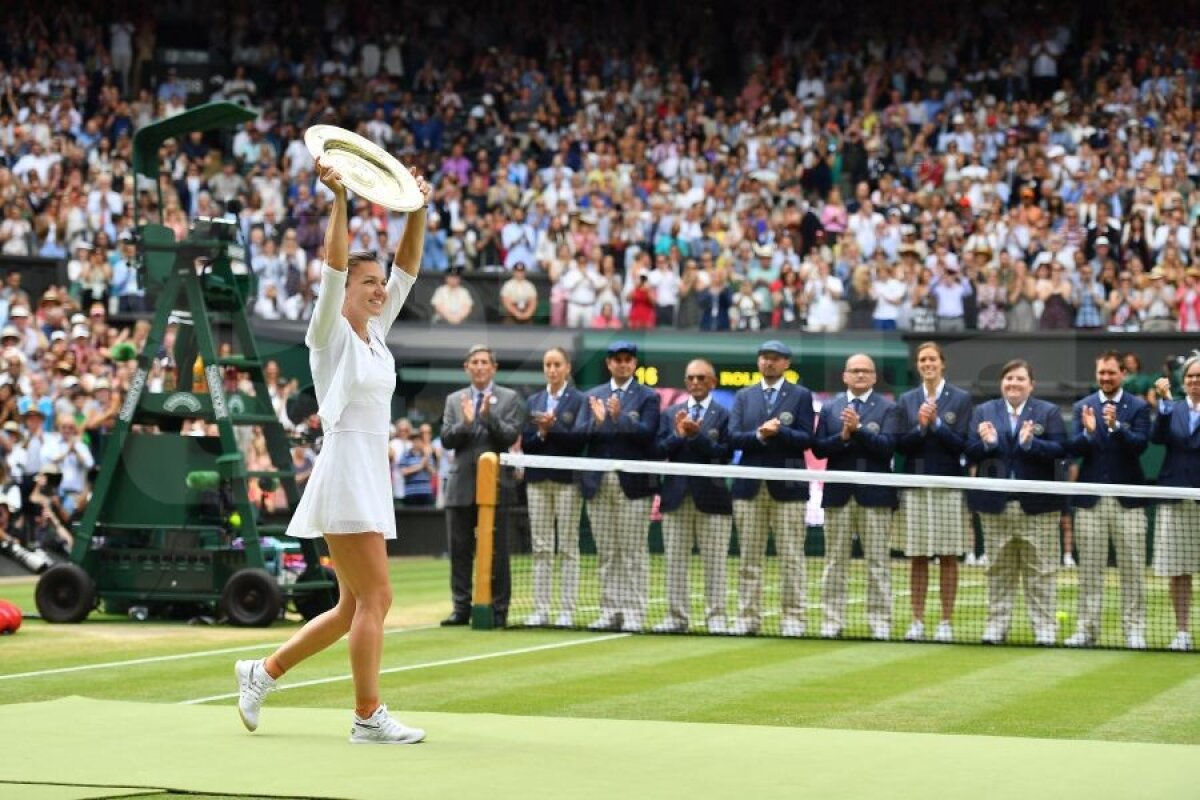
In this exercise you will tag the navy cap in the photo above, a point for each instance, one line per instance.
(622, 346)
(775, 346)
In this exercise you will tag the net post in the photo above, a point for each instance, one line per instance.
(487, 481)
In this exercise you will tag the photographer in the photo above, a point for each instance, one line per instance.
(46, 496)
(51, 535)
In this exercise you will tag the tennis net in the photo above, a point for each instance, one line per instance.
(654, 547)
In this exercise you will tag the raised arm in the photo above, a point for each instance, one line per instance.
(412, 243)
(327, 312)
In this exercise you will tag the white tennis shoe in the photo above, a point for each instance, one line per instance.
(253, 686)
(381, 728)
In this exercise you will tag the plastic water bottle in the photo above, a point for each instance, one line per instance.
(139, 613)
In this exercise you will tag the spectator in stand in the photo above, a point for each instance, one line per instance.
(607, 318)
(518, 296)
(452, 303)
(715, 303)
(418, 468)
(1187, 298)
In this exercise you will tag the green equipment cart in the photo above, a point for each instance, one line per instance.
(170, 524)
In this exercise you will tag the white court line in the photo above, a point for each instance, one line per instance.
(427, 665)
(133, 662)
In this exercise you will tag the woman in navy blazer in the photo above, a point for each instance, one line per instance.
(1177, 525)
(554, 498)
(934, 421)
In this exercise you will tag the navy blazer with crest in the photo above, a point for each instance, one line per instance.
(1181, 464)
(869, 449)
(561, 439)
(794, 408)
(1111, 456)
(1009, 460)
(709, 446)
(630, 437)
(938, 449)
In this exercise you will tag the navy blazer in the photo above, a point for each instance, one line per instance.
(869, 449)
(561, 439)
(630, 436)
(709, 446)
(1009, 460)
(1181, 464)
(938, 449)
(794, 408)
(1111, 457)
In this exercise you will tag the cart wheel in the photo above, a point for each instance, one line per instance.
(316, 602)
(65, 593)
(251, 599)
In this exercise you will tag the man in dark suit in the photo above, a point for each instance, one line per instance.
(1017, 436)
(695, 509)
(1177, 525)
(857, 432)
(1112, 429)
(554, 499)
(935, 522)
(481, 418)
(771, 423)
(619, 419)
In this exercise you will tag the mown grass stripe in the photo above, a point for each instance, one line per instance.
(1169, 716)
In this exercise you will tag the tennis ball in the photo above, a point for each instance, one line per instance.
(235, 520)
(1062, 616)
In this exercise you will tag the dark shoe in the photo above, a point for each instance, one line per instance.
(456, 619)
(500, 620)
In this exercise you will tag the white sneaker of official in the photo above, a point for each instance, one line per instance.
(744, 627)
(537, 619)
(253, 686)
(1078, 639)
(565, 620)
(1136, 641)
(1182, 642)
(671, 625)
(992, 635)
(916, 632)
(607, 621)
(792, 628)
(382, 728)
(944, 633)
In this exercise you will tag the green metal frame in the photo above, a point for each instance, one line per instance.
(139, 502)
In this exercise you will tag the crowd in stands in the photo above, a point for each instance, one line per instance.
(1012, 167)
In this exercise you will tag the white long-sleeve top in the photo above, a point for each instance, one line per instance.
(337, 366)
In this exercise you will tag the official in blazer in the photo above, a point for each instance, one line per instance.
(857, 432)
(771, 424)
(1017, 436)
(554, 499)
(481, 418)
(1110, 432)
(695, 510)
(619, 419)
(934, 418)
(1177, 525)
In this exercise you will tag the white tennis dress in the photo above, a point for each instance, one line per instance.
(350, 490)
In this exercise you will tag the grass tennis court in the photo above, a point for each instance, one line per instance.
(551, 678)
